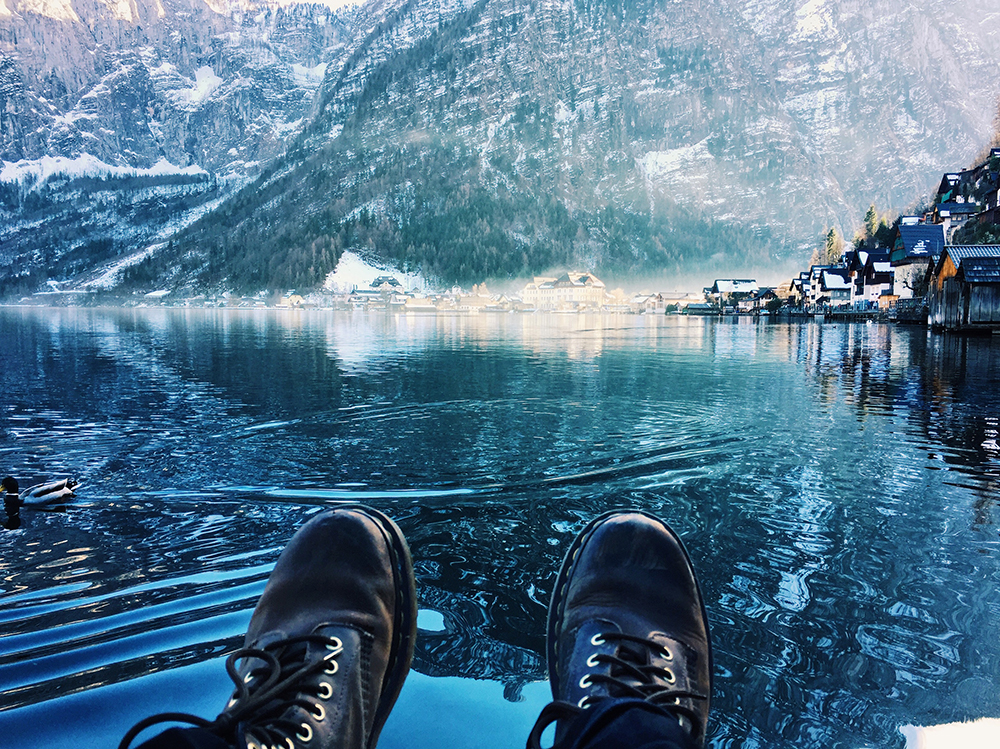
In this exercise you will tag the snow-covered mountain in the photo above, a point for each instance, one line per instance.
(220, 85)
(501, 136)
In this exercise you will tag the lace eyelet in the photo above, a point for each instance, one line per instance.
(319, 712)
(584, 702)
(232, 701)
(254, 745)
(668, 675)
(668, 654)
(585, 681)
(307, 736)
(337, 645)
(592, 661)
(597, 639)
(325, 690)
(332, 669)
(289, 744)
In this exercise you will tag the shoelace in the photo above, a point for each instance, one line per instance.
(262, 697)
(628, 677)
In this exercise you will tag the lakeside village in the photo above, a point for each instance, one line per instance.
(911, 272)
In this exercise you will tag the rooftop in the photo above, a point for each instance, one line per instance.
(981, 269)
(731, 285)
(962, 253)
(918, 240)
(835, 278)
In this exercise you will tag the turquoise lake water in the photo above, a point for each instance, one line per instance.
(836, 485)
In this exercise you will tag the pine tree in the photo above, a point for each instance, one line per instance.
(871, 222)
(834, 248)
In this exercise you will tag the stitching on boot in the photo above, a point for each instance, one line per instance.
(366, 659)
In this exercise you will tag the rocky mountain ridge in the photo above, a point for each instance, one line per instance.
(500, 137)
(135, 81)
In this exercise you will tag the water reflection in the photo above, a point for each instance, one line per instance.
(836, 486)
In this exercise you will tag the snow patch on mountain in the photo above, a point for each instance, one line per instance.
(677, 160)
(35, 172)
(309, 77)
(85, 165)
(813, 19)
(109, 277)
(58, 10)
(205, 82)
(332, 4)
(353, 272)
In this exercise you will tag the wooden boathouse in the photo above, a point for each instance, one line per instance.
(964, 293)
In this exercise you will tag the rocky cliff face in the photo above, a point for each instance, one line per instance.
(219, 85)
(501, 136)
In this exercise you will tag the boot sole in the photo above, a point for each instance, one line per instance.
(558, 604)
(405, 622)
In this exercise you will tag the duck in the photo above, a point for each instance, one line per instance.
(55, 492)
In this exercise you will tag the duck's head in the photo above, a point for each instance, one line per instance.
(9, 485)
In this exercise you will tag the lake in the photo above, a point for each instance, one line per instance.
(836, 486)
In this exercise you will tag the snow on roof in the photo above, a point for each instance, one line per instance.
(961, 253)
(573, 278)
(731, 285)
(835, 279)
(922, 239)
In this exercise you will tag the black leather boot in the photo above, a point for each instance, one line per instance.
(627, 620)
(329, 644)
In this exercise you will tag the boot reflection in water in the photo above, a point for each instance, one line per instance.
(332, 637)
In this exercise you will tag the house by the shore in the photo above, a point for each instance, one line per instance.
(964, 290)
(570, 291)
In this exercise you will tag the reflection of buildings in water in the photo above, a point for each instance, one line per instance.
(991, 480)
(962, 406)
(578, 336)
(944, 385)
(735, 337)
(362, 340)
(851, 363)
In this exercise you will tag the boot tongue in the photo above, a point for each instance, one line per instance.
(633, 652)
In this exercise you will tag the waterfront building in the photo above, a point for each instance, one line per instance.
(965, 288)
(814, 289)
(834, 288)
(915, 250)
(569, 291)
(729, 291)
(876, 280)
